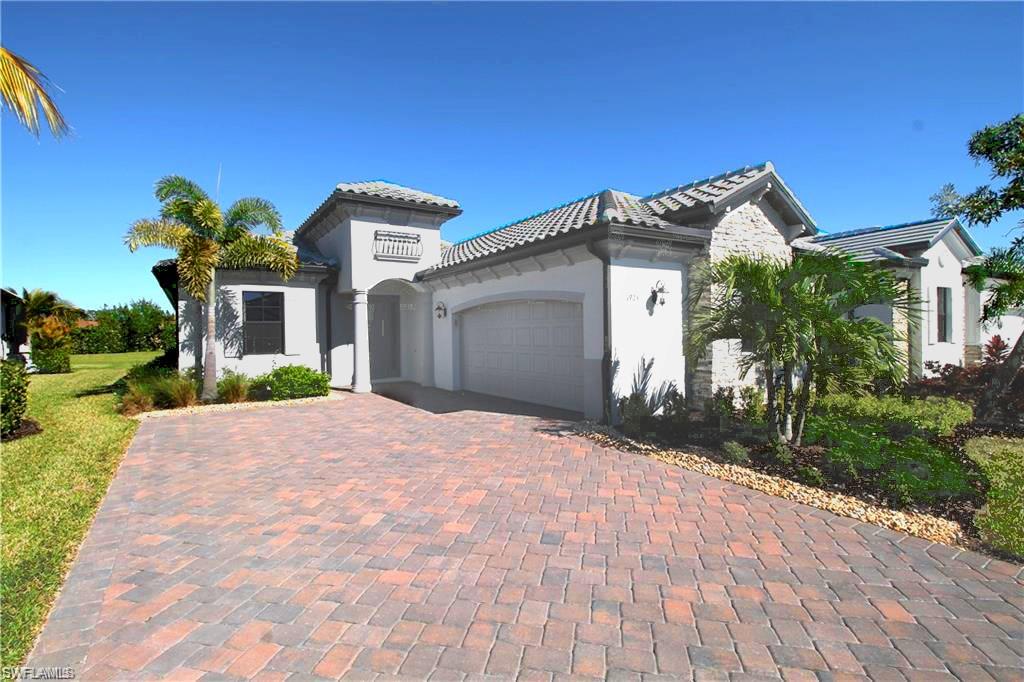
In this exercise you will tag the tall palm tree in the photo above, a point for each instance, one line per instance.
(206, 238)
(24, 90)
(796, 319)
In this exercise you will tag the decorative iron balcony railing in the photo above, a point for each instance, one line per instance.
(400, 246)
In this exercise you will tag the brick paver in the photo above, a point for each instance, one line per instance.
(365, 538)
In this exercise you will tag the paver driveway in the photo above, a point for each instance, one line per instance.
(365, 537)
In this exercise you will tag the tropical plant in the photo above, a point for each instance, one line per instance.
(233, 387)
(796, 319)
(207, 238)
(996, 349)
(290, 382)
(1002, 271)
(40, 304)
(24, 90)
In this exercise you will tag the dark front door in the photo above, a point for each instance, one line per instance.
(385, 362)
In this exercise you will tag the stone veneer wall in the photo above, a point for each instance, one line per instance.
(754, 229)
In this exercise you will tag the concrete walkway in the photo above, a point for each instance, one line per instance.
(366, 538)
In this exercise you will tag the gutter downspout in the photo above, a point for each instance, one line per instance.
(606, 357)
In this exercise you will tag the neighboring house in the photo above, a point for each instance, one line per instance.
(13, 339)
(930, 255)
(539, 310)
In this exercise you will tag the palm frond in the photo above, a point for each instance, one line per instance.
(248, 213)
(24, 90)
(197, 260)
(163, 233)
(261, 251)
(207, 219)
(179, 187)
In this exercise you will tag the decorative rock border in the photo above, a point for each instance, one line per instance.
(924, 526)
(230, 407)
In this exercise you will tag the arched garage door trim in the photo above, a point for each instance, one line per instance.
(511, 297)
(522, 357)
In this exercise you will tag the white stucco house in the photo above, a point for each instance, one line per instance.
(930, 255)
(537, 310)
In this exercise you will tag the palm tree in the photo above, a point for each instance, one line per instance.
(206, 239)
(797, 320)
(40, 304)
(24, 91)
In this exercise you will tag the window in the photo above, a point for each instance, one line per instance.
(944, 314)
(263, 328)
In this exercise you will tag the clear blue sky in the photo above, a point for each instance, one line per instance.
(510, 109)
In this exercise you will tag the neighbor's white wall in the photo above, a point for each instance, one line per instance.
(584, 277)
(649, 332)
(303, 326)
(943, 270)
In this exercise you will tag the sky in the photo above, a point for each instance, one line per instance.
(865, 110)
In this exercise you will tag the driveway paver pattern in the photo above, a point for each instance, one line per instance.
(365, 538)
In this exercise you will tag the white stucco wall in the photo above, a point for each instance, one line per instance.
(643, 328)
(943, 270)
(1009, 327)
(582, 279)
(303, 323)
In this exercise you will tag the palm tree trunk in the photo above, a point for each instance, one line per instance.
(787, 401)
(772, 399)
(802, 405)
(1006, 372)
(210, 362)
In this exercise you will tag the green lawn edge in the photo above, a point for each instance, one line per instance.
(51, 485)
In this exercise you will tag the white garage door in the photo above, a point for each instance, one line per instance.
(525, 350)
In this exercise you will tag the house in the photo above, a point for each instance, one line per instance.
(540, 310)
(14, 338)
(930, 255)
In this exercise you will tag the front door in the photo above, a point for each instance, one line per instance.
(385, 362)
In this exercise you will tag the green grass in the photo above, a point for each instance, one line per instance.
(1002, 521)
(52, 483)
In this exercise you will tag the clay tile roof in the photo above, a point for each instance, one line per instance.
(705, 191)
(877, 242)
(389, 190)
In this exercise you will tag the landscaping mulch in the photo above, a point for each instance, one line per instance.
(29, 427)
(230, 407)
(925, 526)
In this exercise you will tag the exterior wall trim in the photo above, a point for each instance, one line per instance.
(525, 295)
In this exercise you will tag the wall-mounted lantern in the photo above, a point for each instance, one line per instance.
(441, 310)
(657, 297)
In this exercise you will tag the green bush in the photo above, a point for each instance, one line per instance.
(147, 386)
(52, 360)
(811, 476)
(141, 325)
(721, 405)
(938, 415)
(735, 453)
(921, 472)
(233, 387)
(291, 381)
(1001, 521)
(753, 408)
(14, 401)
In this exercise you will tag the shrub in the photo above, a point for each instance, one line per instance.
(675, 416)
(919, 472)
(51, 360)
(722, 404)
(291, 381)
(136, 399)
(753, 408)
(177, 390)
(777, 453)
(735, 453)
(637, 410)
(1001, 521)
(14, 401)
(233, 387)
(811, 476)
(938, 415)
(967, 384)
(996, 350)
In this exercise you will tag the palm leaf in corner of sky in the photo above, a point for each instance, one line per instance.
(24, 90)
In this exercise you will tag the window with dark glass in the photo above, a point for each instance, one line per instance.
(263, 322)
(944, 314)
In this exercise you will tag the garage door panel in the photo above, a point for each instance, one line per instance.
(531, 351)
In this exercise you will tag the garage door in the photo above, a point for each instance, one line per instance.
(525, 350)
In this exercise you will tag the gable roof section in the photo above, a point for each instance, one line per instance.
(381, 189)
(602, 207)
(880, 242)
(660, 211)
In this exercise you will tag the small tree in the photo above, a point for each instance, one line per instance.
(1002, 147)
(796, 321)
(206, 238)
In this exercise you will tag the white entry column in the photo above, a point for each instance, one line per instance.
(361, 343)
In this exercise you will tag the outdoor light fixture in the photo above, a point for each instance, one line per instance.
(441, 310)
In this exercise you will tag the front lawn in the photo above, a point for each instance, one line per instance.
(52, 484)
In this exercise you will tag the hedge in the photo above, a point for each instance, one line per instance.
(52, 360)
(14, 400)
